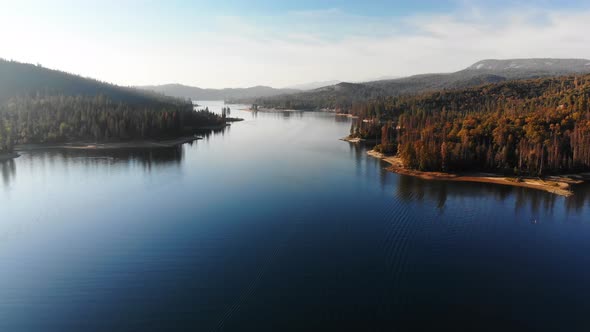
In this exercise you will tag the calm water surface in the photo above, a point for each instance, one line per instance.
(274, 224)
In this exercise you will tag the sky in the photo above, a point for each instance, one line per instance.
(241, 43)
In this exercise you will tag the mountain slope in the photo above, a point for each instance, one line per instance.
(312, 85)
(39, 105)
(195, 93)
(541, 66)
(533, 127)
(19, 79)
(482, 72)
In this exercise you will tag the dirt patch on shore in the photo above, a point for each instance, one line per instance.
(559, 185)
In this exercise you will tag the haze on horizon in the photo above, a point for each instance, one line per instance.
(245, 43)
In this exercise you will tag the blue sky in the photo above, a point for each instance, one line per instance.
(381, 8)
(243, 43)
(370, 8)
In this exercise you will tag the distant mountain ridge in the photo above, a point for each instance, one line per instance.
(312, 85)
(343, 95)
(231, 94)
(321, 84)
(482, 72)
(541, 64)
(195, 93)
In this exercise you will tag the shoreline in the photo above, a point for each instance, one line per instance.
(559, 185)
(269, 110)
(134, 144)
(347, 115)
(352, 140)
(358, 140)
(139, 144)
(230, 119)
(8, 156)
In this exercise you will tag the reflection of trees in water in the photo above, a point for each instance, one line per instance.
(359, 152)
(291, 114)
(580, 199)
(8, 169)
(281, 115)
(412, 188)
(207, 134)
(536, 199)
(342, 119)
(148, 158)
(288, 115)
(157, 157)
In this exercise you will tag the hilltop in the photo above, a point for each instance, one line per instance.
(20, 79)
(40, 105)
(343, 95)
(534, 127)
(195, 93)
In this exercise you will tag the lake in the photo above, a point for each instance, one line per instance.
(275, 224)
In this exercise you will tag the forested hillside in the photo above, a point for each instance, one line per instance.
(18, 79)
(529, 127)
(39, 105)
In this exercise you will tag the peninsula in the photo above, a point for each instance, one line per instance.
(44, 108)
(529, 133)
(558, 184)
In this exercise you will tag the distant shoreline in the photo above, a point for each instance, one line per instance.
(559, 185)
(269, 110)
(134, 144)
(358, 140)
(138, 144)
(347, 115)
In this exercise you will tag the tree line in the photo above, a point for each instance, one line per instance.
(532, 127)
(38, 118)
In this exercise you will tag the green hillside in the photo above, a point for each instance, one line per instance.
(39, 105)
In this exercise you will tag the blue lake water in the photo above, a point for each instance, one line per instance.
(274, 224)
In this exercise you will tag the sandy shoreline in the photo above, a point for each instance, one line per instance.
(559, 185)
(351, 140)
(347, 115)
(358, 140)
(140, 144)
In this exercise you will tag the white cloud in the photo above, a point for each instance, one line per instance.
(305, 46)
(419, 44)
